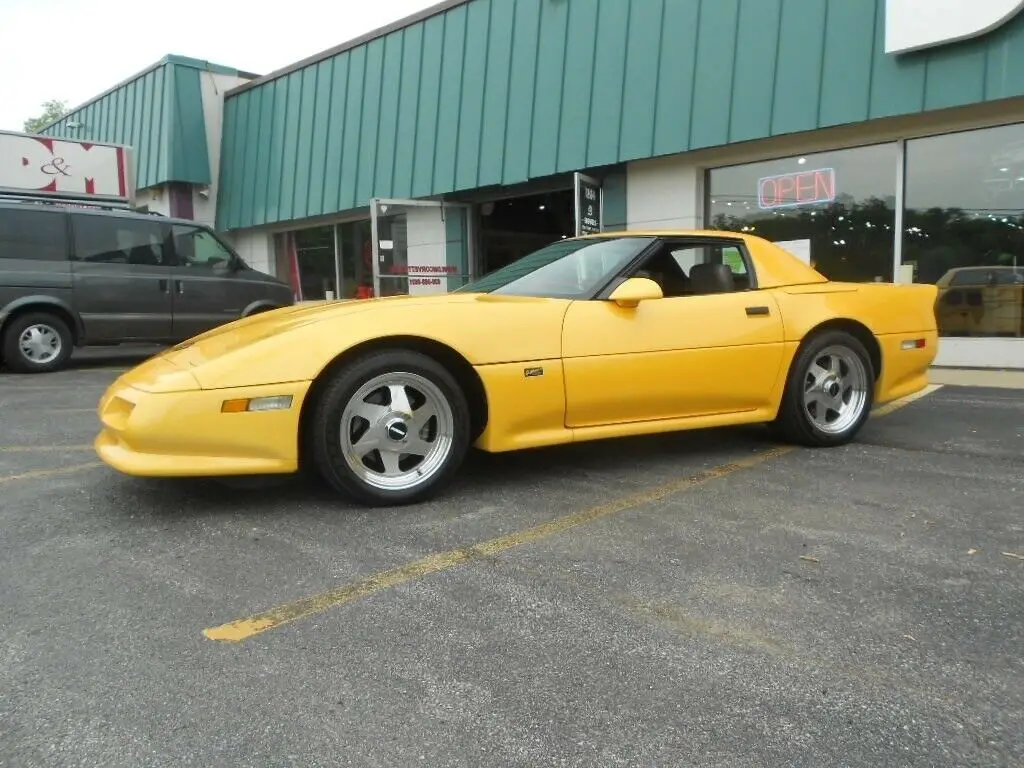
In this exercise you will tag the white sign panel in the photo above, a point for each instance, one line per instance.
(799, 248)
(911, 25)
(39, 165)
(427, 268)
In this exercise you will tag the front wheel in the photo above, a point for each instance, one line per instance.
(391, 428)
(829, 393)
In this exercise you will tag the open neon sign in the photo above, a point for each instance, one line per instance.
(790, 190)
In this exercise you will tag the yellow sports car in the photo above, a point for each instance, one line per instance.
(595, 337)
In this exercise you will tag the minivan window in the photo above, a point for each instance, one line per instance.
(197, 248)
(116, 240)
(33, 235)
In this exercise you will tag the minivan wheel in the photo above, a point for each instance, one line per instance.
(37, 342)
(391, 428)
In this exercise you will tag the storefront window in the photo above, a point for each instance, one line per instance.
(393, 232)
(314, 256)
(355, 240)
(836, 210)
(964, 228)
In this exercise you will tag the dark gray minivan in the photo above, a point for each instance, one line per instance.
(74, 276)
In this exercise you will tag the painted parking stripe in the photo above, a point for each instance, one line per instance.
(895, 405)
(41, 473)
(43, 448)
(242, 629)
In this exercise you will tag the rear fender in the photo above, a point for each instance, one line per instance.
(898, 317)
(884, 308)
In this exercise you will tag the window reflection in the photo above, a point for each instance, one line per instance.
(964, 228)
(839, 206)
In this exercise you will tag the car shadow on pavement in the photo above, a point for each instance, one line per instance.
(540, 470)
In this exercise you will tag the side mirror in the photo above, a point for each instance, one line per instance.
(634, 290)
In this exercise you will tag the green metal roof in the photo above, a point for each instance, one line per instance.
(486, 92)
(158, 112)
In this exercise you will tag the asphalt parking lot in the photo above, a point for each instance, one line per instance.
(702, 599)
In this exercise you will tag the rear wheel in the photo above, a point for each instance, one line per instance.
(391, 428)
(829, 393)
(37, 342)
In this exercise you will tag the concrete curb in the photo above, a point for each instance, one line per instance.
(975, 377)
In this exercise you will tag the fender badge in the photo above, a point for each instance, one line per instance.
(531, 372)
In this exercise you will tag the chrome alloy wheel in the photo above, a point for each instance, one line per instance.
(397, 431)
(40, 343)
(835, 389)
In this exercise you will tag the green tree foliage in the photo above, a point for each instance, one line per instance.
(53, 110)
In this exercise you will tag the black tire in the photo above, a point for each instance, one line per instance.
(13, 356)
(794, 422)
(325, 429)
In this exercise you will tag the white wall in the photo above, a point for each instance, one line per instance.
(256, 247)
(664, 193)
(213, 87)
(156, 199)
(981, 353)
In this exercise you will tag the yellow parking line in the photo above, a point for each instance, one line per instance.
(40, 473)
(42, 448)
(895, 405)
(242, 629)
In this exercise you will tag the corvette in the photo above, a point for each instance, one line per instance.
(589, 338)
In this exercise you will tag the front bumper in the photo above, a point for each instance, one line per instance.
(185, 434)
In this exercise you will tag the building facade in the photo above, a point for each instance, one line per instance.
(170, 114)
(873, 142)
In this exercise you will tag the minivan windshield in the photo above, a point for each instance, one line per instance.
(567, 269)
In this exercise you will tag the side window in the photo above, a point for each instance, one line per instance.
(114, 240)
(199, 249)
(33, 235)
(732, 257)
(696, 269)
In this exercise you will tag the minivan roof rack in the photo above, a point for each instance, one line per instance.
(71, 202)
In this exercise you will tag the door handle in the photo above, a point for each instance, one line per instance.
(180, 285)
(164, 287)
(758, 311)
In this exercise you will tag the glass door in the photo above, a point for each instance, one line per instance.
(419, 246)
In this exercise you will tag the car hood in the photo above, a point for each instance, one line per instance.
(233, 336)
(296, 343)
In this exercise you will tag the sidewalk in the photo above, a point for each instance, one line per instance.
(977, 377)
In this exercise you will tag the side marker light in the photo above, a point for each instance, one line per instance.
(272, 403)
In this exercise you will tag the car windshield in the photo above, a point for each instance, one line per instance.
(567, 269)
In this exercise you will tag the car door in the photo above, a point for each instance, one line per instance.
(122, 276)
(710, 346)
(209, 290)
